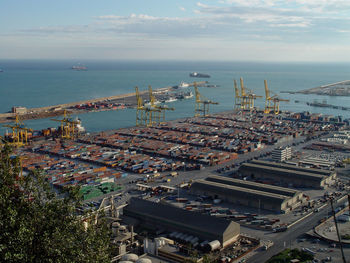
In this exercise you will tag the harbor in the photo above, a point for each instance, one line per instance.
(256, 170)
(117, 102)
(182, 145)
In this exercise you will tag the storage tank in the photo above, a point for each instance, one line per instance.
(130, 257)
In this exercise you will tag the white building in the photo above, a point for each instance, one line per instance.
(281, 154)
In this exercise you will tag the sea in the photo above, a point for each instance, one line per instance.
(36, 83)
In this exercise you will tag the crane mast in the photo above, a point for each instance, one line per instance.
(159, 114)
(202, 103)
(19, 134)
(238, 103)
(272, 103)
(68, 126)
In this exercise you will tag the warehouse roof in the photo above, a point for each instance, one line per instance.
(253, 185)
(283, 171)
(179, 217)
(240, 192)
(293, 167)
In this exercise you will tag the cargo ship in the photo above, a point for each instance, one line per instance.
(199, 75)
(79, 67)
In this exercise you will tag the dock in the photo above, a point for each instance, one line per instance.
(340, 88)
(115, 102)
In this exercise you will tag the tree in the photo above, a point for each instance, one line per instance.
(36, 225)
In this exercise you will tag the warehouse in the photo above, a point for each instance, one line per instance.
(288, 175)
(242, 195)
(205, 227)
(297, 168)
(295, 195)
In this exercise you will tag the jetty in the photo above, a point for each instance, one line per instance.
(340, 88)
(121, 101)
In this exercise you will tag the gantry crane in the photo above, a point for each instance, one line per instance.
(251, 99)
(19, 136)
(202, 104)
(244, 96)
(145, 115)
(68, 126)
(159, 114)
(238, 103)
(272, 103)
(247, 98)
(141, 113)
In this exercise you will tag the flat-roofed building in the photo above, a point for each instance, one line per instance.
(294, 195)
(242, 195)
(281, 154)
(170, 218)
(286, 174)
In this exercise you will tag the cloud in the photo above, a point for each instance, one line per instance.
(268, 26)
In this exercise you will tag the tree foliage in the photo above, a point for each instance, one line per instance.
(288, 254)
(38, 226)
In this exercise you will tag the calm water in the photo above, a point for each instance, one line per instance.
(42, 83)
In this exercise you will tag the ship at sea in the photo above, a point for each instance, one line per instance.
(1, 70)
(79, 67)
(199, 75)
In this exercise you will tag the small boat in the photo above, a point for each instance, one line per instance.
(188, 95)
(184, 85)
(212, 86)
(171, 99)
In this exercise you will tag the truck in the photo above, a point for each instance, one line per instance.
(280, 229)
(267, 245)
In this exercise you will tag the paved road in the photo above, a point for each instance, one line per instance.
(285, 238)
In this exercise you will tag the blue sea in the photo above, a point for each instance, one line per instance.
(36, 83)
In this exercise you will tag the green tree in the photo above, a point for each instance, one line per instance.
(38, 226)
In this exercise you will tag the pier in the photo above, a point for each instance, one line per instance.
(123, 100)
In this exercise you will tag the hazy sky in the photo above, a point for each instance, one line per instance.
(245, 30)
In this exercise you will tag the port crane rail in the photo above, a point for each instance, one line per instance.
(159, 113)
(202, 103)
(19, 134)
(68, 126)
(272, 103)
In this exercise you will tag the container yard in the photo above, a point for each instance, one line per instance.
(183, 145)
(174, 163)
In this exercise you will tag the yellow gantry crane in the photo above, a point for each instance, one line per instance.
(19, 136)
(238, 103)
(202, 104)
(244, 96)
(146, 116)
(159, 113)
(141, 112)
(68, 126)
(272, 103)
(247, 97)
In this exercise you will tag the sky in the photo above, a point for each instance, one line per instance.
(221, 30)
